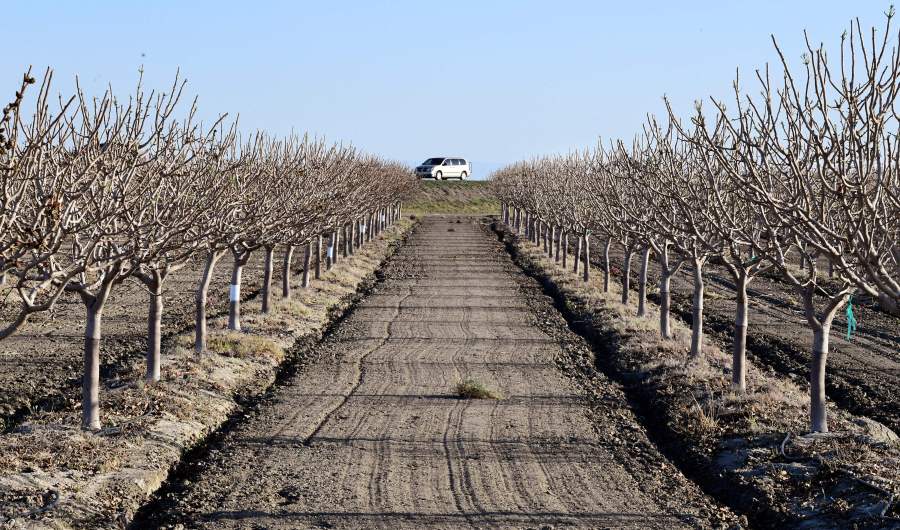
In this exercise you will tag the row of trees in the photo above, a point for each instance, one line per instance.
(97, 190)
(806, 170)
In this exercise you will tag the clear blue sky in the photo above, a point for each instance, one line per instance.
(494, 81)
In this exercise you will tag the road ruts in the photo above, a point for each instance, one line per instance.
(372, 435)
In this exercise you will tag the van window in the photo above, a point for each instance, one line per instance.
(433, 162)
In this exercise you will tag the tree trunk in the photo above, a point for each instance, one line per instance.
(697, 311)
(202, 291)
(267, 279)
(642, 282)
(626, 276)
(818, 411)
(665, 301)
(330, 253)
(319, 256)
(606, 265)
(344, 241)
(739, 346)
(587, 258)
(546, 234)
(559, 237)
(550, 241)
(307, 255)
(154, 327)
(286, 272)
(336, 247)
(577, 260)
(354, 235)
(665, 295)
(90, 383)
(565, 249)
(234, 305)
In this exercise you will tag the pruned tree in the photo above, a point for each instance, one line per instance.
(46, 169)
(812, 155)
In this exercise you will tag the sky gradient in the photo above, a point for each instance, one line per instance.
(491, 81)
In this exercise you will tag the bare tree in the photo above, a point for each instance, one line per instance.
(185, 186)
(807, 151)
(46, 168)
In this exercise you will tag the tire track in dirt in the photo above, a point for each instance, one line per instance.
(372, 435)
(361, 371)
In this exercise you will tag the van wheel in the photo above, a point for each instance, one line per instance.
(463, 176)
(438, 176)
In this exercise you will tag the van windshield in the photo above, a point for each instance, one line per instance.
(432, 161)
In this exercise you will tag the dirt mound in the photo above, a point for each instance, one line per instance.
(454, 196)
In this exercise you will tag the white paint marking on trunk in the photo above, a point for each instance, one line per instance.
(235, 293)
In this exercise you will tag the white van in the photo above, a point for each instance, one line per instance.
(440, 168)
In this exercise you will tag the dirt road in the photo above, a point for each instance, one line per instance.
(372, 433)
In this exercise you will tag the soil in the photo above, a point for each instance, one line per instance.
(40, 365)
(742, 448)
(54, 475)
(863, 372)
(373, 434)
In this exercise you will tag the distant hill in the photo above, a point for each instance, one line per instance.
(453, 196)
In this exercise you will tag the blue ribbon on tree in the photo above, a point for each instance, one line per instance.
(851, 319)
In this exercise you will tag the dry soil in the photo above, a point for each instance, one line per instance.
(373, 435)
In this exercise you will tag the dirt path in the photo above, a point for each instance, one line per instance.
(373, 435)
